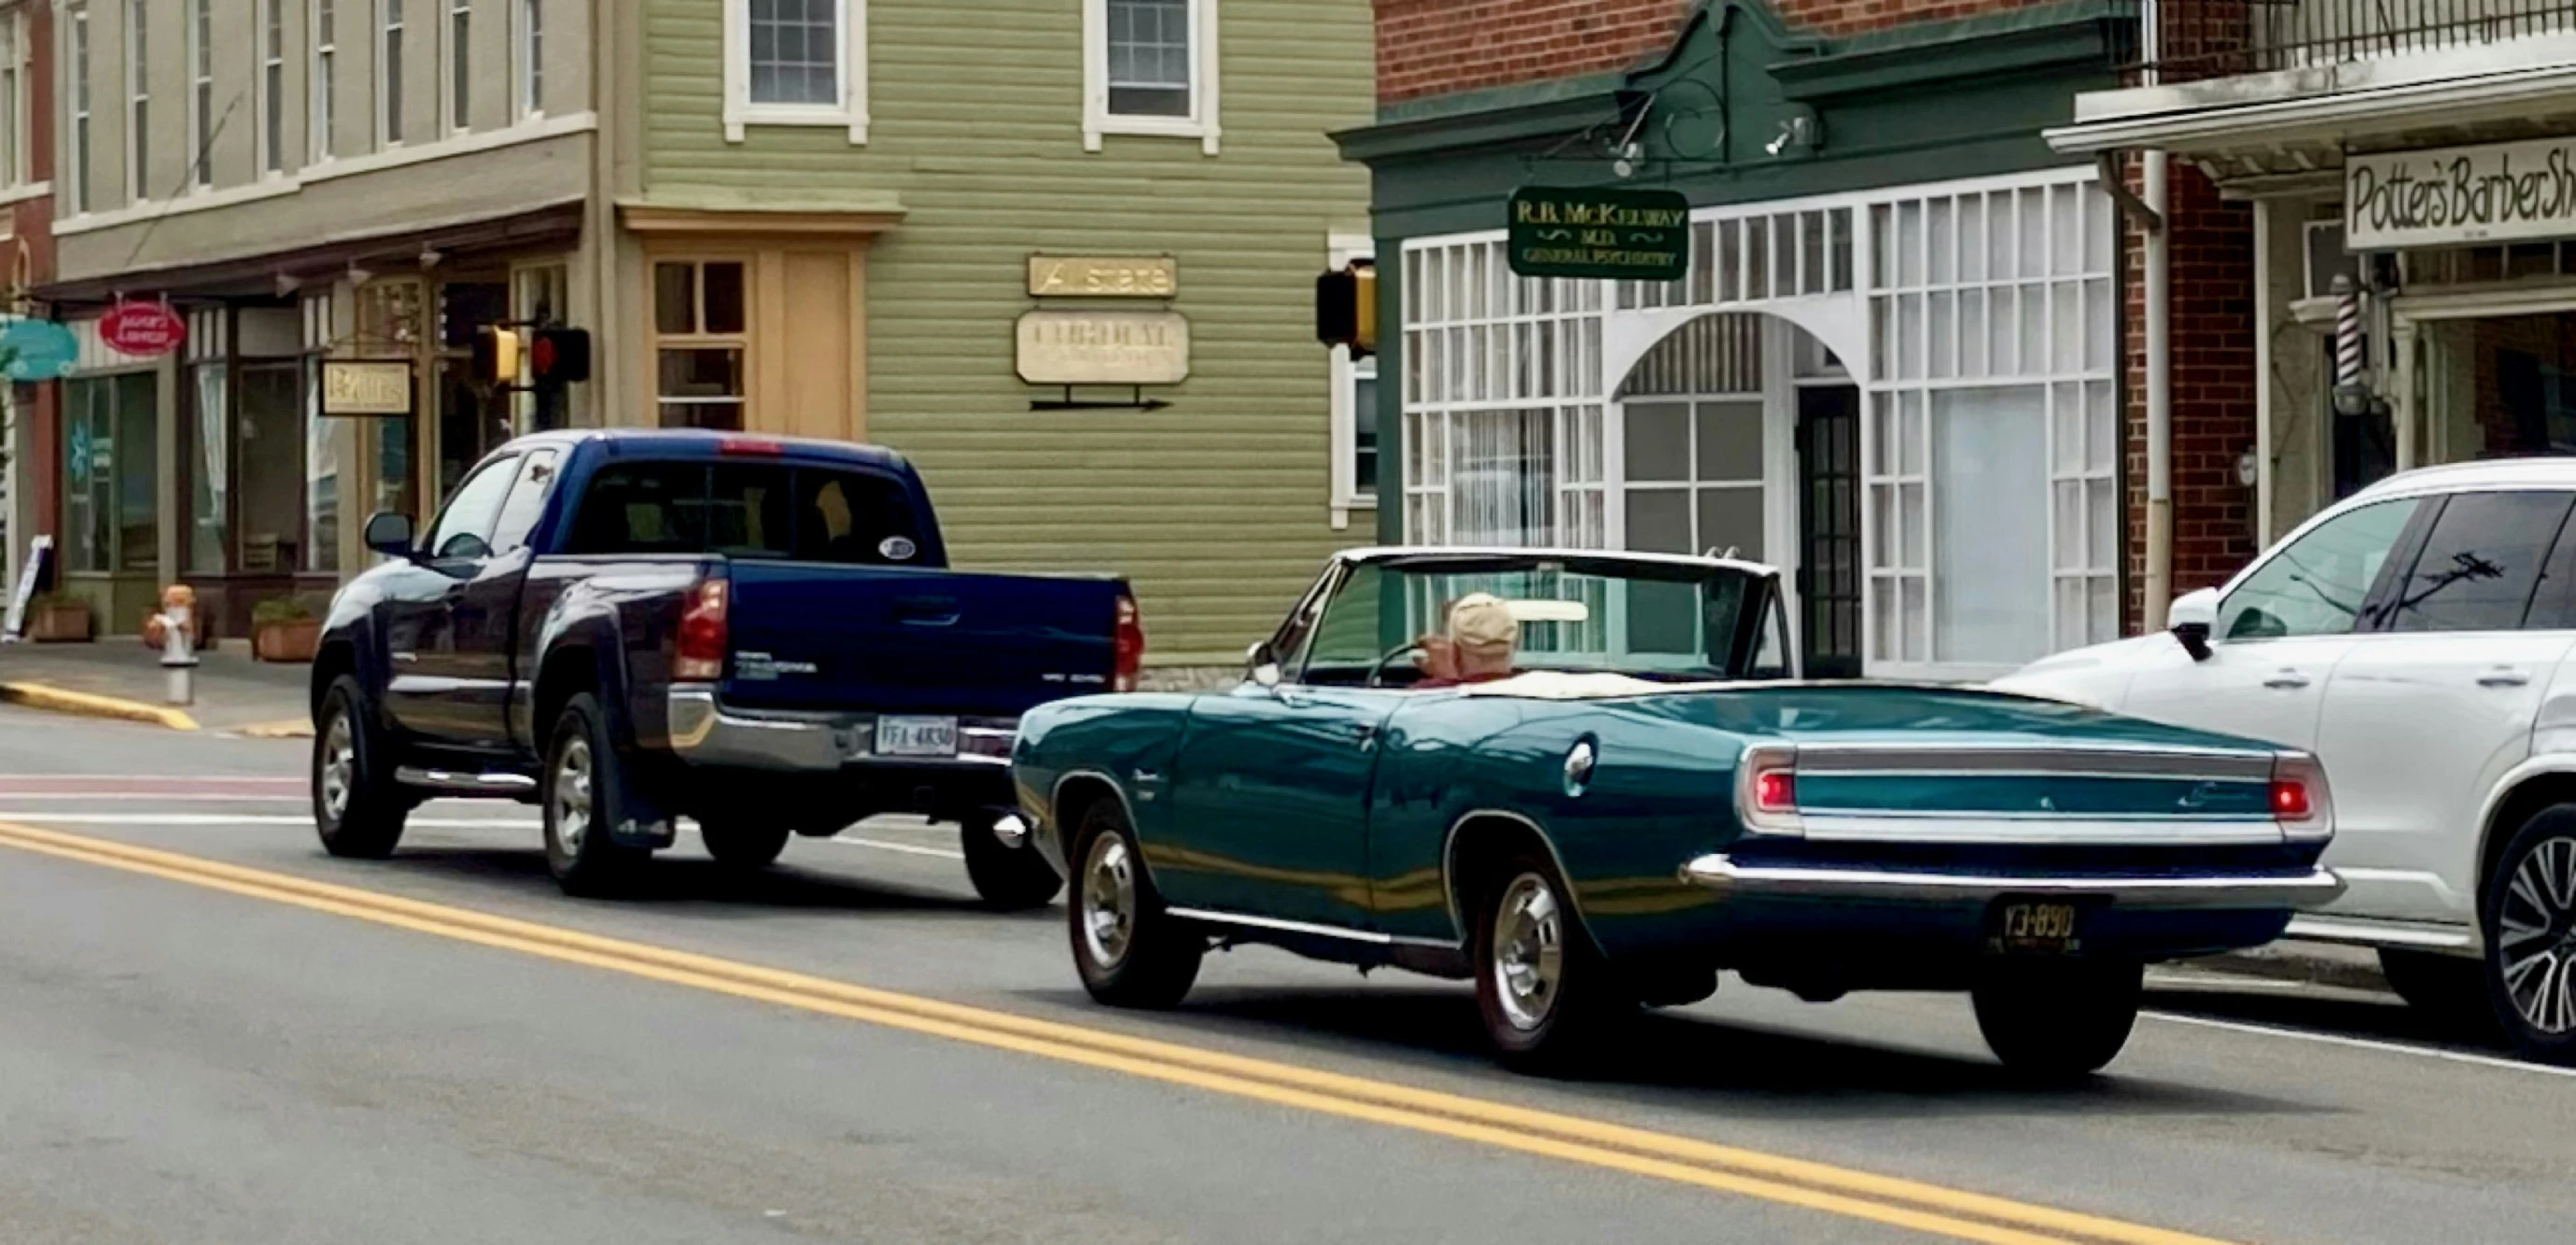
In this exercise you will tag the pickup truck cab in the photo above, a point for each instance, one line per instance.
(630, 627)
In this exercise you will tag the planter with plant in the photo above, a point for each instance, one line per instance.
(55, 618)
(284, 630)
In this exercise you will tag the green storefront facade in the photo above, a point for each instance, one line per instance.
(844, 229)
(1893, 368)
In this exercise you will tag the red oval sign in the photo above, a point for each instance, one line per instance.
(145, 329)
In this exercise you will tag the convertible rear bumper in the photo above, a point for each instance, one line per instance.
(2306, 889)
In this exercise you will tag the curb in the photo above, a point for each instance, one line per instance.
(63, 700)
(291, 729)
(2318, 964)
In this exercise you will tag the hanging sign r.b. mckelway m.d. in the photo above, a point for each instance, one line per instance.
(2447, 196)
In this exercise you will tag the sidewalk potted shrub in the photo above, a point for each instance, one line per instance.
(283, 630)
(56, 618)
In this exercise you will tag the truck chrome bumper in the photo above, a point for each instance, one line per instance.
(2262, 890)
(704, 732)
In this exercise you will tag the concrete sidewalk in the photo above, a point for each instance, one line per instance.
(122, 679)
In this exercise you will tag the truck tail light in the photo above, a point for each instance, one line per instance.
(1766, 790)
(1128, 647)
(701, 653)
(2301, 802)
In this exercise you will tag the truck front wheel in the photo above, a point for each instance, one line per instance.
(585, 794)
(358, 808)
(1008, 877)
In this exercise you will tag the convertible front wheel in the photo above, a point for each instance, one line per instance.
(1545, 994)
(1130, 950)
(2059, 1020)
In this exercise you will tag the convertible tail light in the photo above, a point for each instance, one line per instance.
(701, 650)
(1766, 790)
(1128, 647)
(2301, 802)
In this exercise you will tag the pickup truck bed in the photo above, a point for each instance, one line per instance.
(628, 628)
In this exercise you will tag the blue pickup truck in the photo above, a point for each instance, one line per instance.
(631, 627)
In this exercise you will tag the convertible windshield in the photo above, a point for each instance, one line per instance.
(1670, 621)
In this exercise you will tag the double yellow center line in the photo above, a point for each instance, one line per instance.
(1727, 1169)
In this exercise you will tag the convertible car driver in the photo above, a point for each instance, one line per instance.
(1481, 641)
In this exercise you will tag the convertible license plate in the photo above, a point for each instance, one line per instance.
(916, 737)
(2035, 927)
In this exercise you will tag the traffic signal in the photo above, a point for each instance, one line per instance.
(496, 356)
(559, 356)
(1346, 308)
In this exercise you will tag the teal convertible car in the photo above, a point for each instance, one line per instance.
(1646, 797)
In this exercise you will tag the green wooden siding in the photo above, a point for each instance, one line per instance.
(1217, 508)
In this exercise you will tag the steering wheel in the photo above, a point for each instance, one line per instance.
(1377, 671)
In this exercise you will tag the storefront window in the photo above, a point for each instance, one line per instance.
(112, 474)
(270, 501)
(394, 491)
(698, 321)
(209, 482)
(321, 477)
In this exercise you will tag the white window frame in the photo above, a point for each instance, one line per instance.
(268, 86)
(392, 19)
(138, 104)
(1346, 377)
(740, 114)
(1098, 121)
(528, 59)
(81, 81)
(455, 108)
(322, 85)
(200, 47)
(15, 165)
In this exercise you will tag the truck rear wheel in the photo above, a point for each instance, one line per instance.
(358, 809)
(2058, 1021)
(743, 844)
(585, 794)
(1008, 878)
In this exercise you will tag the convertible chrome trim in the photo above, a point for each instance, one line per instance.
(2041, 830)
(2257, 890)
(1212, 916)
(1449, 861)
(2091, 761)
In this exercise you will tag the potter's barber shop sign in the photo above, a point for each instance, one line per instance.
(2453, 195)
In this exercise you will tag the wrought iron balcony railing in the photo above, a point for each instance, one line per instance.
(2219, 38)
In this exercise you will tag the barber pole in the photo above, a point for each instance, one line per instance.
(2347, 333)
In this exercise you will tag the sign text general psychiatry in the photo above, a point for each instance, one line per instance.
(1609, 233)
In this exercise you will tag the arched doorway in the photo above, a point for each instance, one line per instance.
(1739, 434)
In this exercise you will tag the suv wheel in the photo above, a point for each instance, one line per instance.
(2529, 914)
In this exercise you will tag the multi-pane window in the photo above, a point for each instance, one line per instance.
(325, 87)
(1150, 62)
(201, 92)
(13, 102)
(389, 75)
(700, 342)
(796, 52)
(138, 100)
(80, 70)
(460, 65)
(530, 58)
(272, 86)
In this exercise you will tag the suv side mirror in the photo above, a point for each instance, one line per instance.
(390, 535)
(2191, 619)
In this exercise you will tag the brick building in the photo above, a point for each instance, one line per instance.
(1897, 365)
(31, 421)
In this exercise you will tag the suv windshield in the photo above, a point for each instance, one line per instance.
(1652, 620)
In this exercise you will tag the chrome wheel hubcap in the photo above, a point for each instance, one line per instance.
(1529, 951)
(572, 797)
(2536, 940)
(1109, 901)
(339, 766)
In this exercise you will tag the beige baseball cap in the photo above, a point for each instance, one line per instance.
(1480, 620)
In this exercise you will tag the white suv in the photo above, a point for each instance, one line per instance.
(2417, 638)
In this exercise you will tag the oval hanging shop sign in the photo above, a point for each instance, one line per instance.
(146, 330)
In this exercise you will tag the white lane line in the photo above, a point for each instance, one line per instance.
(171, 797)
(2369, 1044)
(46, 816)
(907, 849)
(2224, 982)
(265, 780)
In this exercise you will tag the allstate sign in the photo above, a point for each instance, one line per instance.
(2497, 193)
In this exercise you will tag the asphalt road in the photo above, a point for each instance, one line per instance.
(198, 1043)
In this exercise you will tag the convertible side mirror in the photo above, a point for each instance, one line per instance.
(2191, 619)
(390, 534)
(1259, 666)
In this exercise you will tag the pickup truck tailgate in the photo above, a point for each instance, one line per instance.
(809, 636)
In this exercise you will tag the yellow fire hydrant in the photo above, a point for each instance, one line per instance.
(174, 632)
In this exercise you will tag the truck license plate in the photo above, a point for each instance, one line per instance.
(2024, 927)
(916, 737)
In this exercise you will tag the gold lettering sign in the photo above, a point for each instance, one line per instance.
(1104, 348)
(1092, 276)
(365, 387)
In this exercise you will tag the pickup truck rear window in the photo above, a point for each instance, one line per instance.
(748, 510)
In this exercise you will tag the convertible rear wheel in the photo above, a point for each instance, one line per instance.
(1130, 951)
(2059, 1019)
(1545, 994)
